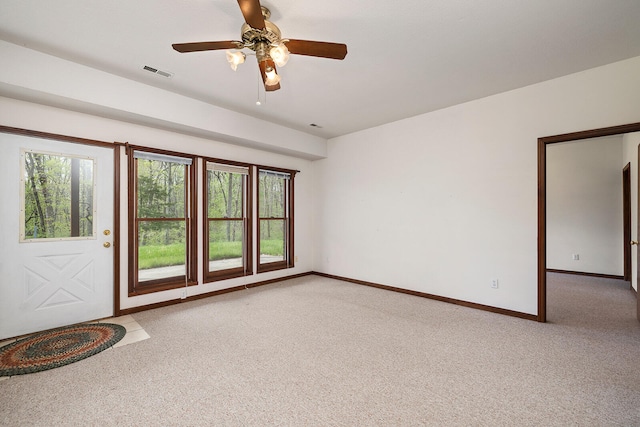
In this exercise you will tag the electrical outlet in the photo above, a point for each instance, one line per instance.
(183, 295)
(494, 283)
(575, 257)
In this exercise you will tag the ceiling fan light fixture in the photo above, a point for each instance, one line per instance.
(280, 54)
(235, 58)
(272, 77)
(265, 39)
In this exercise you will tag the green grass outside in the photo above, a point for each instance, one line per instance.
(271, 247)
(225, 250)
(153, 256)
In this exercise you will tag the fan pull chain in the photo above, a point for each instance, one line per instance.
(258, 103)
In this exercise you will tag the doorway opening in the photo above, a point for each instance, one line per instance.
(542, 198)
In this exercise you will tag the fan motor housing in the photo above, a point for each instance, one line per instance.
(252, 36)
(255, 39)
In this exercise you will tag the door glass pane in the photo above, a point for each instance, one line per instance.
(58, 196)
(161, 187)
(225, 194)
(161, 249)
(272, 195)
(272, 240)
(225, 245)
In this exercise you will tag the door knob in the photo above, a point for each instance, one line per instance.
(106, 232)
(106, 244)
(633, 242)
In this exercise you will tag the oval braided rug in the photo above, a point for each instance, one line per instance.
(57, 347)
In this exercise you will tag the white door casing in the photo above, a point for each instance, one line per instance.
(54, 282)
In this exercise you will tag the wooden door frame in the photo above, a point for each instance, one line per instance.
(542, 198)
(115, 146)
(626, 221)
(636, 238)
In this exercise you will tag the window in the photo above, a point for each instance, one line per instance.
(227, 232)
(57, 197)
(275, 220)
(160, 217)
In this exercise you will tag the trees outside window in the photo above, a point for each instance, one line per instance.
(58, 197)
(227, 203)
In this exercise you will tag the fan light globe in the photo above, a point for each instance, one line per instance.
(280, 54)
(234, 59)
(272, 77)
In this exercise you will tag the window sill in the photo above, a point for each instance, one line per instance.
(273, 266)
(225, 275)
(149, 288)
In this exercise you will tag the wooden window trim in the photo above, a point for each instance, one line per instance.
(190, 218)
(230, 273)
(289, 257)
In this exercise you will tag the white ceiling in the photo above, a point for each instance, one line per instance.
(404, 57)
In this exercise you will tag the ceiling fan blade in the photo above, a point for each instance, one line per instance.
(263, 72)
(200, 46)
(319, 49)
(252, 13)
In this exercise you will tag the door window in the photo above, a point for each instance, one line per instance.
(58, 197)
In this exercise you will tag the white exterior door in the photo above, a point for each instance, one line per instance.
(66, 276)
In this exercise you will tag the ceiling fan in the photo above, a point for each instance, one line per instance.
(264, 38)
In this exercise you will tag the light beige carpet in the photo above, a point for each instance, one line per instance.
(319, 352)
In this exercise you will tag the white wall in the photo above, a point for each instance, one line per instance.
(20, 114)
(443, 202)
(630, 143)
(584, 206)
(440, 203)
(30, 75)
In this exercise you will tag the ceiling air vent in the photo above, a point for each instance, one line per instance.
(158, 72)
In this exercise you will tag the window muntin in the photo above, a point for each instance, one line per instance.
(57, 196)
(275, 220)
(227, 232)
(161, 236)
